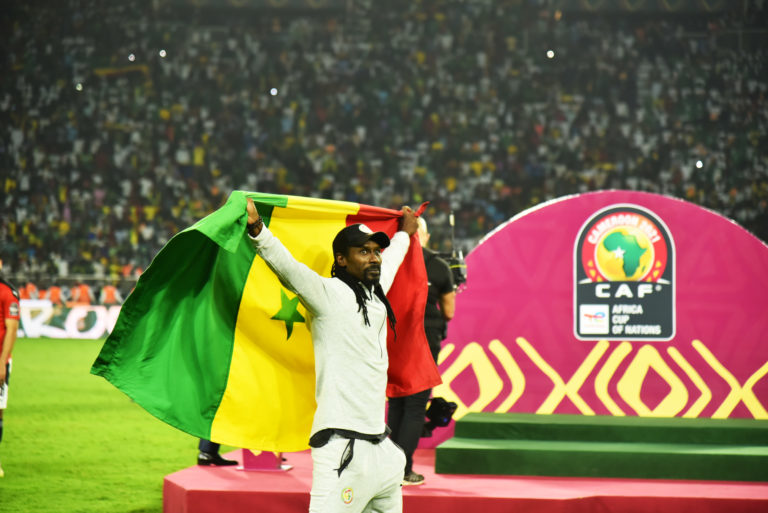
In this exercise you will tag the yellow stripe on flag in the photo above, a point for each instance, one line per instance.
(265, 364)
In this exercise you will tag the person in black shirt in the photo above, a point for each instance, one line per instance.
(406, 414)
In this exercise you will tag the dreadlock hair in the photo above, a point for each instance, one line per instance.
(342, 274)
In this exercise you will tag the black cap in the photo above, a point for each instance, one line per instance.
(356, 235)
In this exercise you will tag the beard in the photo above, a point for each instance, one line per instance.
(371, 275)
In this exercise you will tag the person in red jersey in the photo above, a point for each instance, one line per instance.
(56, 295)
(81, 294)
(9, 325)
(110, 295)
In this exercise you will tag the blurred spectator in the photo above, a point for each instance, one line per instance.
(81, 294)
(56, 295)
(110, 295)
(29, 291)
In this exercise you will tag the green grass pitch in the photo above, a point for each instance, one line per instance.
(73, 443)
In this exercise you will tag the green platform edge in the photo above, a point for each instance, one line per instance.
(605, 446)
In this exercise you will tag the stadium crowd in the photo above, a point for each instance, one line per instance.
(123, 123)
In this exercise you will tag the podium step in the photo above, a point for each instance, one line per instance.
(602, 428)
(602, 446)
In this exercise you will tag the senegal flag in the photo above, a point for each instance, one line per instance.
(212, 343)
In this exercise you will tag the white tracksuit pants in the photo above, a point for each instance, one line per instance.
(372, 483)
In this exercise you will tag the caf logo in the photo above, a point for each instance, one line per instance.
(624, 246)
(624, 276)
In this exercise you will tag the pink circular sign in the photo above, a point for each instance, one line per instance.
(612, 303)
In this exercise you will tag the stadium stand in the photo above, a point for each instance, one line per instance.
(122, 123)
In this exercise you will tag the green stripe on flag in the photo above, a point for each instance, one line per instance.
(172, 344)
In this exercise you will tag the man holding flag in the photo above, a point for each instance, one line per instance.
(215, 342)
(355, 465)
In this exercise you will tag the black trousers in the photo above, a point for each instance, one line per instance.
(406, 414)
(406, 420)
(208, 446)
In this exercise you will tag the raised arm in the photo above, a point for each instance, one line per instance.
(393, 256)
(296, 276)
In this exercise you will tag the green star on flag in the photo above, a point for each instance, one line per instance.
(289, 312)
